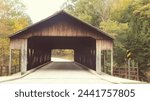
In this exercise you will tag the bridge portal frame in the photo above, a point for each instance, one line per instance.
(61, 24)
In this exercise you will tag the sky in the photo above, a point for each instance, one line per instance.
(40, 9)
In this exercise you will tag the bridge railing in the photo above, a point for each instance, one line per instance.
(4, 71)
(124, 73)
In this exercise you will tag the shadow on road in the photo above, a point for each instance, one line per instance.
(64, 66)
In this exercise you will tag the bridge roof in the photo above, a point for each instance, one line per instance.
(62, 12)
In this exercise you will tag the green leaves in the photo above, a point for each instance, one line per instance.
(113, 27)
(12, 12)
(90, 11)
(139, 37)
(127, 20)
(12, 19)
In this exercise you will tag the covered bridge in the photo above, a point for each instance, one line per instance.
(61, 31)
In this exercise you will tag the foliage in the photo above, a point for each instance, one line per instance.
(91, 11)
(63, 53)
(113, 27)
(12, 19)
(128, 21)
(139, 35)
(118, 8)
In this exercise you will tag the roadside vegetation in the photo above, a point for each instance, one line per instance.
(12, 19)
(128, 21)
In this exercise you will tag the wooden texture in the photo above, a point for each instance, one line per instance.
(87, 57)
(106, 44)
(61, 28)
(98, 56)
(111, 61)
(23, 56)
(4, 70)
(100, 46)
(123, 72)
(15, 43)
(62, 25)
(61, 31)
(10, 61)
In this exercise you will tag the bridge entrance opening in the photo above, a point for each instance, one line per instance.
(43, 49)
(62, 55)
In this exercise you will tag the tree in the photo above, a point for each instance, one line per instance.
(12, 12)
(12, 19)
(127, 21)
(91, 11)
(139, 36)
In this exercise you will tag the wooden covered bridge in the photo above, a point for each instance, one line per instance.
(61, 31)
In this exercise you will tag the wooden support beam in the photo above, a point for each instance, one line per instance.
(50, 54)
(23, 56)
(19, 60)
(112, 60)
(47, 57)
(98, 56)
(10, 61)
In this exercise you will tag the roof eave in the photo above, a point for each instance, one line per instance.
(61, 12)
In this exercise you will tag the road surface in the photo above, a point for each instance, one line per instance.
(61, 72)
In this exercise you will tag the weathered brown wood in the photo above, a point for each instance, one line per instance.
(61, 31)
(15, 43)
(23, 56)
(98, 56)
(123, 72)
(62, 28)
(10, 60)
(111, 60)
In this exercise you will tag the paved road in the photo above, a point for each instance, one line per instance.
(61, 72)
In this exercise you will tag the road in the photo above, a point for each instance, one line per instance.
(61, 72)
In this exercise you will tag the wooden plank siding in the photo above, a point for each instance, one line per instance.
(63, 28)
(61, 24)
(67, 32)
(15, 44)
